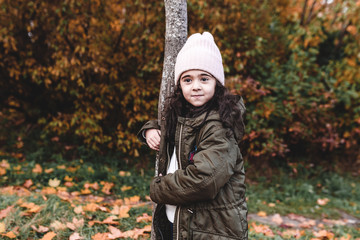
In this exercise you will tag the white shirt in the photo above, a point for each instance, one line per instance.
(170, 209)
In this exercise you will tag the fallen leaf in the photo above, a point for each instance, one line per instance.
(2, 227)
(277, 219)
(91, 207)
(10, 235)
(261, 214)
(348, 237)
(75, 224)
(49, 170)
(4, 164)
(100, 236)
(107, 187)
(75, 236)
(40, 229)
(37, 169)
(125, 188)
(308, 224)
(293, 233)
(58, 225)
(324, 234)
(323, 201)
(109, 220)
(54, 182)
(48, 190)
(48, 236)
(78, 209)
(132, 200)
(114, 233)
(6, 211)
(264, 229)
(2, 171)
(144, 218)
(28, 183)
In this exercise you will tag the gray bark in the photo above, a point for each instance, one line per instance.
(175, 38)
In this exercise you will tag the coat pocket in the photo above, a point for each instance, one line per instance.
(199, 235)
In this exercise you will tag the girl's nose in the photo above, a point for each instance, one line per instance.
(196, 85)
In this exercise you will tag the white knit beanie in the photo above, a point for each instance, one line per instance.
(200, 53)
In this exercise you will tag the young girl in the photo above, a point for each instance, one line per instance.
(200, 190)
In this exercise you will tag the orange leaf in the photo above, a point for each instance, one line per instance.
(292, 233)
(324, 234)
(125, 188)
(261, 214)
(145, 217)
(28, 183)
(37, 169)
(264, 229)
(10, 235)
(2, 171)
(48, 236)
(6, 211)
(75, 236)
(100, 236)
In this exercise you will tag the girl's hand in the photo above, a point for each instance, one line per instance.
(153, 138)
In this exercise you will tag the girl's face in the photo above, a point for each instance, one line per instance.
(197, 86)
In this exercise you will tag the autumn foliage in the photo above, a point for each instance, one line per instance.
(87, 73)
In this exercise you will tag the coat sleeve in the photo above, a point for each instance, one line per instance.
(214, 164)
(152, 124)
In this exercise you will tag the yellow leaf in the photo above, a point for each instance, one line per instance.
(262, 214)
(2, 227)
(68, 179)
(48, 236)
(125, 188)
(4, 164)
(54, 182)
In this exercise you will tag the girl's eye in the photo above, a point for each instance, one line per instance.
(204, 79)
(187, 80)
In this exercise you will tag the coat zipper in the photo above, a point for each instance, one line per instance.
(177, 223)
(179, 159)
(180, 167)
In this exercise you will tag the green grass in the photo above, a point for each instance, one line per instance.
(300, 194)
(287, 193)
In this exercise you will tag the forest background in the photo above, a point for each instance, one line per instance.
(79, 78)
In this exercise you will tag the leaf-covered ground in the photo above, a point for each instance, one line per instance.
(82, 200)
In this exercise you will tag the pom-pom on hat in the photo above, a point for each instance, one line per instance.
(200, 53)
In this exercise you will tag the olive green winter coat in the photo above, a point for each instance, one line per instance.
(208, 189)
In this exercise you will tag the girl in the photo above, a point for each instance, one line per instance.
(200, 190)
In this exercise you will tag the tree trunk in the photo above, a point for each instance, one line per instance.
(175, 38)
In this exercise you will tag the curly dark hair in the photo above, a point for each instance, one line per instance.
(223, 101)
